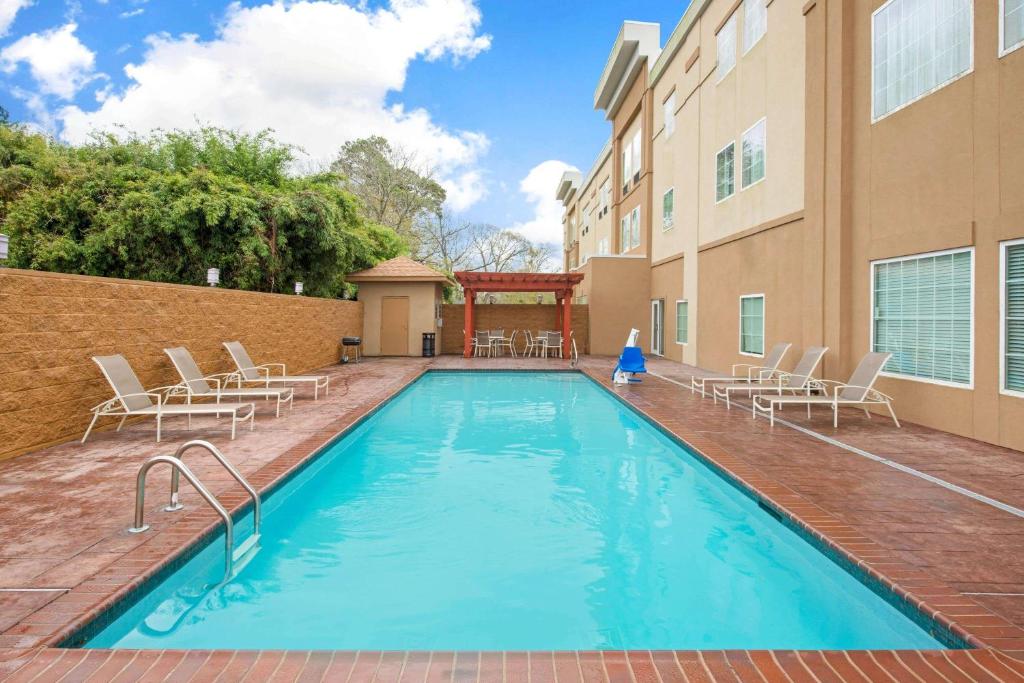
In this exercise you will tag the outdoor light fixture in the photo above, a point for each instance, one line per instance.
(4, 242)
(213, 276)
(298, 288)
(540, 298)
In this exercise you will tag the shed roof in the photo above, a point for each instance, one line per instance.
(399, 269)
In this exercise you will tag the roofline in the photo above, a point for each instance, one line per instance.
(567, 185)
(602, 156)
(676, 39)
(398, 278)
(637, 41)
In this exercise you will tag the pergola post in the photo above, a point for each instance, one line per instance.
(566, 309)
(467, 342)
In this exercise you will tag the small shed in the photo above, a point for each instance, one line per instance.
(401, 300)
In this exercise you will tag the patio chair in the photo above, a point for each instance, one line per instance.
(482, 343)
(505, 343)
(531, 344)
(859, 392)
(553, 343)
(753, 372)
(798, 380)
(194, 383)
(250, 372)
(131, 399)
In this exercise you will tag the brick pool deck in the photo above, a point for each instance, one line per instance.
(65, 555)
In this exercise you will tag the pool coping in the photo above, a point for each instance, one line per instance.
(68, 616)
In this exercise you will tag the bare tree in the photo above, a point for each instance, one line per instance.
(444, 242)
(499, 251)
(396, 189)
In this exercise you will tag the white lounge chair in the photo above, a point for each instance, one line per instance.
(751, 372)
(798, 380)
(194, 383)
(250, 372)
(131, 399)
(858, 392)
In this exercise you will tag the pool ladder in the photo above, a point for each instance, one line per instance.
(178, 470)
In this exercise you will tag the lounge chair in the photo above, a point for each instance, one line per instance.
(131, 399)
(859, 391)
(753, 372)
(194, 383)
(799, 380)
(250, 372)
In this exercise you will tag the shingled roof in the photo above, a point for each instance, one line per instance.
(402, 269)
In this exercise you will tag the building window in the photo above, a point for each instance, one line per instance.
(668, 201)
(1013, 317)
(752, 146)
(602, 247)
(1011, 22)
(923, 315)
(725, 173)
(637, 160)
(669, 112)
(918, 46)
(682, 322)
(606, 194)
(752, 325)
(627, 166)
(635, 228)
(624, 234)
(727, 47)
(755, 22)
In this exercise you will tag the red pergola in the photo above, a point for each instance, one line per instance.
(560, 284)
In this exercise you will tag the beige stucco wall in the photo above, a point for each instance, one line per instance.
(52, 324)
(667, 284)
(423, 296)
(618, 300)
(941, 173)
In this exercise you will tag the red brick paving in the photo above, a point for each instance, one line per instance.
(64, 511)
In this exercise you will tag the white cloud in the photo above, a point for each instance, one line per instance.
(539, 187)
(128, 14)
(8, 11)
(317, 72)
(57, 60)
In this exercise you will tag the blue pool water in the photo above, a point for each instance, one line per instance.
(514, 511)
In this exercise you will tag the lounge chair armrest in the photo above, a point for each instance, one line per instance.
(737, 366)
(267, 366)
(764, 374)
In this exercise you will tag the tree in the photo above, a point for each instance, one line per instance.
(395, 189)
(444, 243)
(499, 251)
(168, 207)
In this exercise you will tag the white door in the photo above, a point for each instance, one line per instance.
(657, 326)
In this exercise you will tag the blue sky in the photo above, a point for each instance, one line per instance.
(484, 91)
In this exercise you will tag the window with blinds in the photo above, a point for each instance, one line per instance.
(1012, 22)
(1013, 316)
(752, 325)
(726, 40)
(755, 22)
(917, 47)
(682, 322)
(922, 315)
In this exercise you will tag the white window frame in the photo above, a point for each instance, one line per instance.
(871, 327)
(668, 109)
(668, 225)
(627, 166)
(1003, 248)
(764, 320)
(687, 302)
(732, 143)
(634, 224)
(602, 247)
(747, 48)
(938, 87)
(1003, 48)
(658, 304)
(764, 151)
(638, 154)
(605, 194)
(624, 234)
(735, 48)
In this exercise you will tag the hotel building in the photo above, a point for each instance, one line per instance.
(841, 172)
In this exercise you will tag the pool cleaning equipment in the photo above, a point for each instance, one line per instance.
(631, 362)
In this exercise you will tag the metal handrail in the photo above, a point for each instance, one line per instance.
(574, 355)
(178, 466)
(175, 504)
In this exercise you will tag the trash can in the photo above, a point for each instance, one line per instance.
(428, 344)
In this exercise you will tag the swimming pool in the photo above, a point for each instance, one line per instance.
(513, 511)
